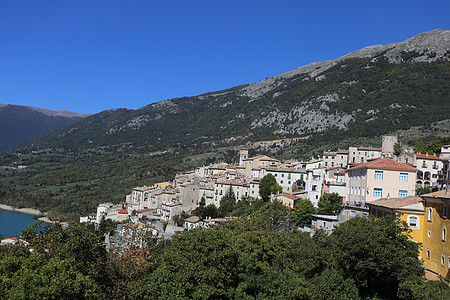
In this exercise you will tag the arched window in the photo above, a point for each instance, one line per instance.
(413, 222)
(419, 175)
(444, 234)
(430, 214)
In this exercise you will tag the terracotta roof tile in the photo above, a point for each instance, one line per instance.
(384, 163)
(438, 194)
(409, 202)
(290, 196)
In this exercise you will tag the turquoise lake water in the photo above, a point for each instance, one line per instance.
(12, 223)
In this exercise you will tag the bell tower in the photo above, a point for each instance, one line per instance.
(243, 154)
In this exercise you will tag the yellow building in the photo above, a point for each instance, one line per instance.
(409, 209)
(435, 236)
(287, 199)
(162, 185)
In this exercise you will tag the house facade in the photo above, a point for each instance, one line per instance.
(428, 167)
(380, 178)
(409, 209)
(436, 243)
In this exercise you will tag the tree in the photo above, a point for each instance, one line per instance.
(300, 183)
(329, 203)
(39, 277)
(376, 254)
(267, 186)
(227, 202)
(202, 202)
(397, 149)
(420, 147)
(200, 264)
(210, 211)
(179, 219)
(302, 212)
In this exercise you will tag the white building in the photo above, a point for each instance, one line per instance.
(286, 177)
(358, 155)
(428, 168)
(169, 210)
(315, 178)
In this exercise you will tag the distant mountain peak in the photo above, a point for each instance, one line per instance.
(368, 92)
(19, 123)
(49, 112)
(430, 46)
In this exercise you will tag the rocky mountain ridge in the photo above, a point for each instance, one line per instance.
(367, 92)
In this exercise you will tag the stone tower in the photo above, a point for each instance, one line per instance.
(387, 144)
(243, 154)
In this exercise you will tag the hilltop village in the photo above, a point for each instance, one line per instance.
(368, 180)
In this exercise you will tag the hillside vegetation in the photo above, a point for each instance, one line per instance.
(366, 93)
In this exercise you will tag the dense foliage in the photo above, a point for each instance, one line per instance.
(260, 256)
(329, 203)
(268, 186)
(375, 96)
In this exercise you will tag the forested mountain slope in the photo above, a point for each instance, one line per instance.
(21, 123)
(368, 92)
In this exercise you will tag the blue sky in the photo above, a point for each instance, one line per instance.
(89, 56)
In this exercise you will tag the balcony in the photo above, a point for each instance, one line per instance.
(356, 204)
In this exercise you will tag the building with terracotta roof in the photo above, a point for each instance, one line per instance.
(409, 209)
(9, 240)
(362, 154)
(380, 178)
(428, 168)
(193, 222)
(286, 177)
(445, 152)
(241, 189)
(436, 243)
(335, 159)
(287, 199)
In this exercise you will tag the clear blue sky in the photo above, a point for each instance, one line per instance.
(89, 56)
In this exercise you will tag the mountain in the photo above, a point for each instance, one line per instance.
(369, 92)
(21, 123)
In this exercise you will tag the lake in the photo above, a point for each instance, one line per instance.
(12, 223)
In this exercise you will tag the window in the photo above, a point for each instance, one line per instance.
(413, 222)
(428, 253)
(430, 214)
(353, 214)
(403, 177)
(402, 193)
(444, 234)
(378, 175)
(442, 260)
(377, 192)
(444, 213)
(281, 181)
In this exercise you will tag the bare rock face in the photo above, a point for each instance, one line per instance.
(368, 92)
(425, 47)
